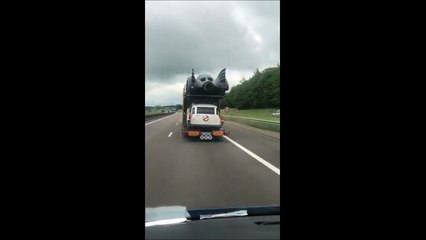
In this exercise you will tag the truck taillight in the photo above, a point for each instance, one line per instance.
(190, 116)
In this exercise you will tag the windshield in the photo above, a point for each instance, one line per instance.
(200, 161)
(205, 110)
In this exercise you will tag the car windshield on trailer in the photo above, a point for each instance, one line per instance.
(205, 110)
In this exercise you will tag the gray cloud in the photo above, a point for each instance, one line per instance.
(209, 36)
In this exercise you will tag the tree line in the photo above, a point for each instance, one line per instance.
(262, 90)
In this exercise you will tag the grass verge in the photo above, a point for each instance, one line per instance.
(262, 114)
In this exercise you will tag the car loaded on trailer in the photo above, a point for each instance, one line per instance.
(201, 110)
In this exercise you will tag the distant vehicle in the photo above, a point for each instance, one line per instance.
(277, 113)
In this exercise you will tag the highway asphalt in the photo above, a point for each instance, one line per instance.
(209, 174)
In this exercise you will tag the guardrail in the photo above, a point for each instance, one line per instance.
(254, 122)
(255, 119)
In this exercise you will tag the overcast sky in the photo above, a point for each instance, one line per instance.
(207, 36)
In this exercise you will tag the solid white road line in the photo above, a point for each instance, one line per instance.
(170, 134)
(159, 119)
(261, 160)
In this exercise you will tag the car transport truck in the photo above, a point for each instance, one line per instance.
(201, 106)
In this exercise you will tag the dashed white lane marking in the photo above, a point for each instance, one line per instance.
(170, 134)
(261, 160)
(159, 119)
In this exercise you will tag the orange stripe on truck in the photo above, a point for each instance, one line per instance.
(193, 133)
(217, 133)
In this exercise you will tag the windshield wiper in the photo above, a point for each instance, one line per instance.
(199, 214)
(227, 214)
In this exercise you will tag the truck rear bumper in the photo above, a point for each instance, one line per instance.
(198, 132)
